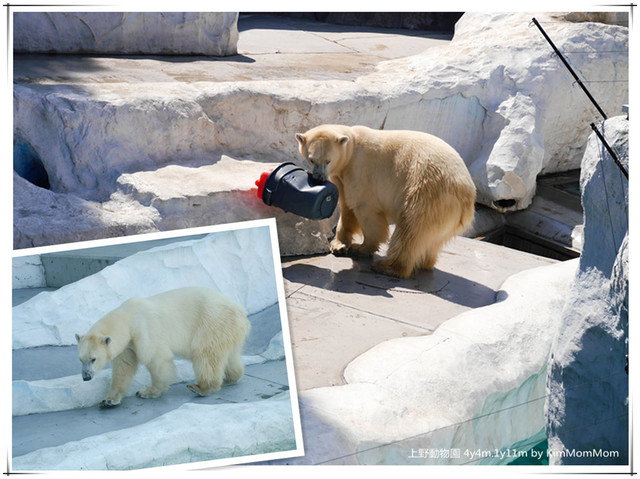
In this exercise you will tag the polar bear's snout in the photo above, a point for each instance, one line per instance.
(319, 172)
(87, 371)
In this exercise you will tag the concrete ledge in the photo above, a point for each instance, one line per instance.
(123, 33)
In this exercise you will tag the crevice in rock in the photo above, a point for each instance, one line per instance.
(27, 164)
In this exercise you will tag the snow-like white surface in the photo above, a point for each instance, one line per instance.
(478, 364)
(237, 263)
(190, 433)
(588, 388)
(149, 33)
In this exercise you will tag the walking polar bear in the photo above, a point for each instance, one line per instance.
(411, 179)
(198, 324)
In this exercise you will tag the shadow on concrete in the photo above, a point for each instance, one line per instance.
(37, 431)
(28, 68)
(281, 21)
(362, 280)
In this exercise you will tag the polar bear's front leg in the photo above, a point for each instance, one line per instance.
(347, 226)
(375, 229)
(124, 367)
(163, 373)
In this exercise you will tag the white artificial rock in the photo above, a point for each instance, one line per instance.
(588, 388)
(168, 198)
(237, 263)
(223, 192)
(121, 33)
(28, 272)
(495, 93)
(190, 433)
(43, 217)
(488, 363)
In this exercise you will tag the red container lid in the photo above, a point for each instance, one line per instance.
(260, 182)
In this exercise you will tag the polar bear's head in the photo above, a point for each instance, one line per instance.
(94, 353)
(321, 146)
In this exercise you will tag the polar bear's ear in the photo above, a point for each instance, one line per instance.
(106, 340)
(301, 138)
(78, 337)
(343, 140)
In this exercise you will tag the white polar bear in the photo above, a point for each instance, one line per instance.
(198, 324)
(408, 178)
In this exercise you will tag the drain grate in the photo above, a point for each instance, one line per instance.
(515, 238)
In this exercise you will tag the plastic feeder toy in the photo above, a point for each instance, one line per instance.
(294, 190)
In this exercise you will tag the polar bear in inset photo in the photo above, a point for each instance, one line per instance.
(194, 323)
(411, 179)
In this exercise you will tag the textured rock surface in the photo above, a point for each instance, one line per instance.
(588, 387)
(510, 109)
(171, 197)
(224, 192)
(193, 432)
(121, 33)
(237, 263)
(476, 382)
(43, 217)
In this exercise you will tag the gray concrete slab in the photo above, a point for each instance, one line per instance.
(20, 295)
(338, 308)
(326, 337)
(466, 276)
(36, 431)
(392, 46)
(46, 362)
(272, 371)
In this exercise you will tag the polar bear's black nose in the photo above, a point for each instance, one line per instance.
(86, 377)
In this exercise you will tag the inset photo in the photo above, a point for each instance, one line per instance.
(155, 350)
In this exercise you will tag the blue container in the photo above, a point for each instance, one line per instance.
(294, 190)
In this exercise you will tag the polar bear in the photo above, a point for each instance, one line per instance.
(411, 179)
(195, 323)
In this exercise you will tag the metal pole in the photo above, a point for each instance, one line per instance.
(610, 150)
(566, 64)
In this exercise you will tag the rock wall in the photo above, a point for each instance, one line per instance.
(588, 388)
(509, 107)
(238, 263)
(126, 33)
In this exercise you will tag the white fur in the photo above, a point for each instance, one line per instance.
(198, 324)
(411, 179)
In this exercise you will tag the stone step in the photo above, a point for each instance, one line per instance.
(169, 198)
(223, 192)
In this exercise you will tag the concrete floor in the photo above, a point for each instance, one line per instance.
(35, 431)
(338, 308)
(269, 48)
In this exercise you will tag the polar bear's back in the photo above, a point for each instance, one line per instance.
(175, 318)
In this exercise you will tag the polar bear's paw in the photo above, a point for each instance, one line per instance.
(390, 269)
(199, 391)
(361, 251)
(108, 403)
(338, 248)
(150, 393)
